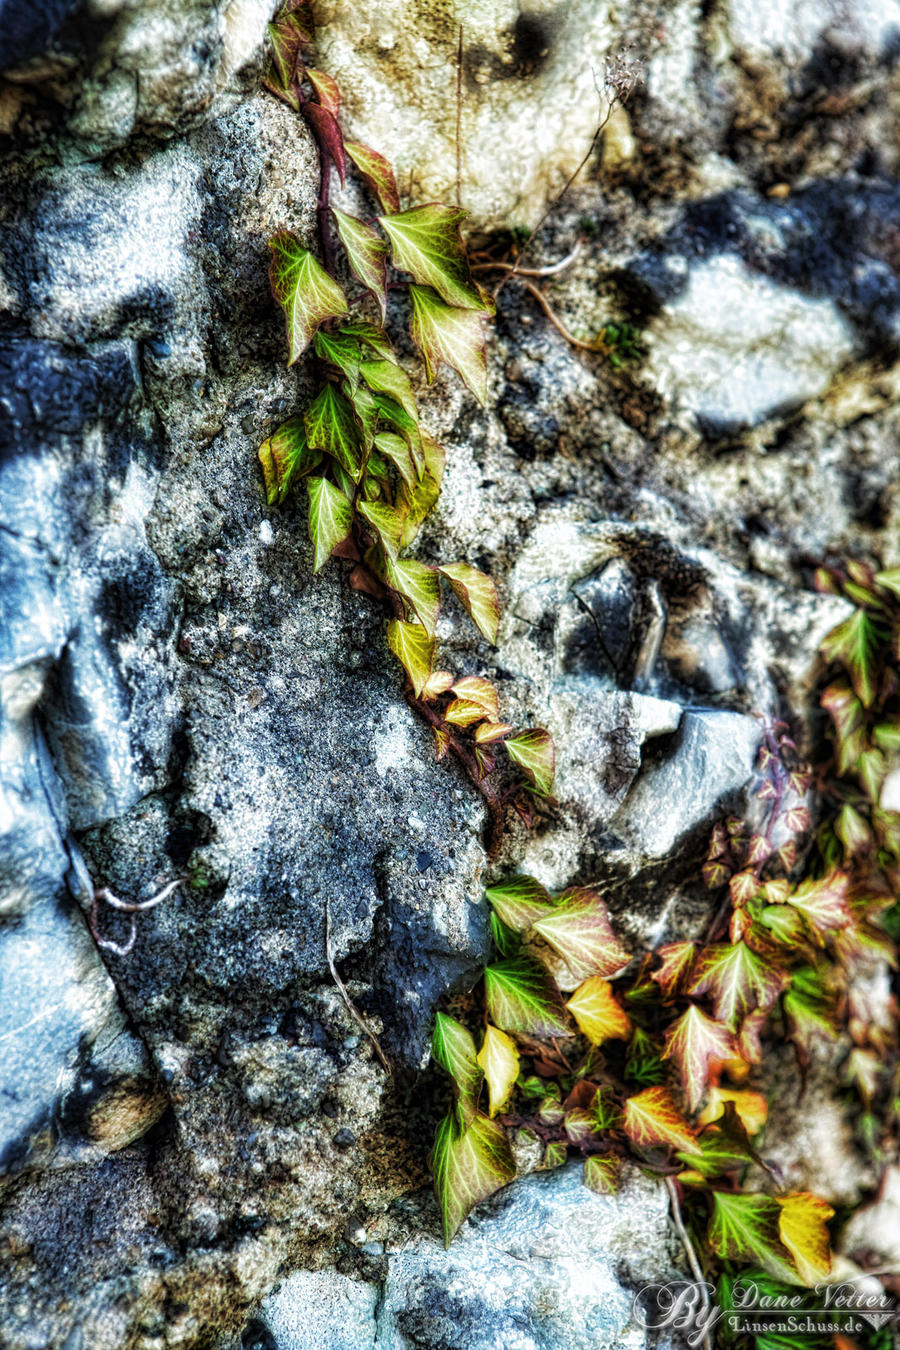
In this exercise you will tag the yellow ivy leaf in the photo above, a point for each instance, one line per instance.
(598, 1013)
(752, 1108)
(499, 1061)
(802, 1228)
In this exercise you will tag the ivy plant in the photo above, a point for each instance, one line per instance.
(579, 1047)
(370, 468)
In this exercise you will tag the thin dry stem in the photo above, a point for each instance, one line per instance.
(348, 1002)
(125, 907)
(690, 1253)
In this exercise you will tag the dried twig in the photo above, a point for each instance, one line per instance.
(553, 270)
(687, 1244)
(125, 907)
(555, 319)
(459, 72)
(348, 1002)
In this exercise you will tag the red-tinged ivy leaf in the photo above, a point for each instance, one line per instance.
(803, 1227)
(718, 841)
(288, 34)
(796, 819)
(555, 1154)
(468, 1166)
(777, 891)
(872, 767)
(749, 1042)
(388, 527)
(332, 427)
(395, 449)
(486, 761)
(578, 928)
(453, 1049)
(366, 254)
(414, 649)
(745, 1228)
(330, 518)
(740, 925)
(286, 457)
(492, 731)
(426, 242)
(738, 980)
(742, 887)
(328, 133)
(695, 1042)
(522, 997)
(787, 857)
(579, 1126)
(550, 1112)
(441, 743)
(462, 713)
(751, 1107)
(652, 1119)
(438, 683)
(378, 173)
(480, 691)
(326, 88)
(677, 959)
(599, 1014)
(447, 333)
(384, 377)
(499, 1061)
(419, 587)
(758, 850)
(602, 1174)
(519, 901)
(853, 831)
(823, 903)
(477, 594)
(287, 93)
(305, 291)
(855, 644)
(715, 873)
(534, 752)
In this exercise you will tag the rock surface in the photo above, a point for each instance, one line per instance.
(187, 1125)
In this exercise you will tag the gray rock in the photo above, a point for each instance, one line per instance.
(320, 1310)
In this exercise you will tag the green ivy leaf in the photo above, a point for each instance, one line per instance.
(417, 502)
(395, 449)
(384, 377)
(366, 253)
(468, 1166)
(578, 928)
(365, 412)
(477, 594)
(286, 457)
(374, 337)
(426, 242)
(419, 587)
(745, 1228)
(855, 643)
(534, 752)
(305, 291)
(331, 426)
(714, 1155)
(454, 1049)
(288, 33)
(555, 1154)
(377, 172)
(447, 333)
(387, 525)
(342, 352)
(330, 518)
(738, 979)
(414, 649)
(602, 1174)
(519, 902)
(521, 996)
(505, 939)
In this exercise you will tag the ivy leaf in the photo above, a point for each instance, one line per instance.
(751, 1107)
(374, 337)
(426, 242)
(329, 135)
(809, 1010)
(286, 457)
(853, 831)
(304, 290)
(521, 996)
(414, 649)
(454, 1050)
(419, 501)
(387, 525)
(695, 1041)
(395, 449)
(823, 903)
(738, 979)
(714, 1155)
(745, 1228)
(384, 377)
(652, 1119)
(468, 1166)
(365, 411)
(437, 683)
(377, 172)
(499, 1061)
(855, 643)
(803, 1229)
(492, 731)
(340, 351)
(331, 426)
(579, 1126)
(480, 691)
(366, 254)
(419, 587)
(677, 959)
(599, 1015)
(462, 713)
(507, 942)
(519, 901)
(441, 742)
(602, 1174)
(327, 91)
(287, 35)
(534, 752)
(447, 333)
(477, 594)
(578, 928)
(555, 1154)
(330, 518)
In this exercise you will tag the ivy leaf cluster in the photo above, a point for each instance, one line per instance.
(371, 470)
